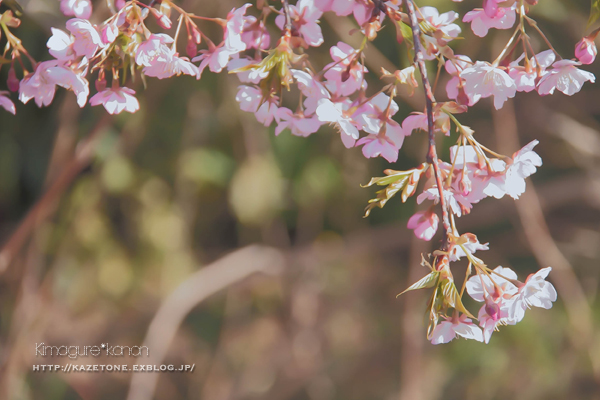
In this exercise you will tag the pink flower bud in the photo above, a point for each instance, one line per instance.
(12, 82)
(586, 50)
(100, 84)
(191, 49)
(162, 19)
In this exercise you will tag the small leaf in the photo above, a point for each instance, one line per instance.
(406, 31)
(452, 297)
(428, 281)
(392, 176)
(594, 13)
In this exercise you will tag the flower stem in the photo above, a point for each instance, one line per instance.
(430, 100)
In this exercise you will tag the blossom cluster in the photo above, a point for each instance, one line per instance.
(119, 51)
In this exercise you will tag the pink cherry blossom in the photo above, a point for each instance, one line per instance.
(471, 245)
(525, 80)
(586, 51)
(6, 102)
(41, 85)
(305, 17)
(312, 88)
(455, 201)
(87, 39)
(486, 80)
(536, 292)
(60, 45)
(480, 286)
(76, 8)
(328, 111)
(339, 7)
(153, 50)
(255, 34)
(116, 100)
(492, 314)
(251, 100)
(566, 77)
(253, 75)
(384, 145)
(424, 224)
(442, 22)
(216, 58)
(345, 75)
(232, 36)
(161, 61)
(446, 331)
(297, 123)
(481, 22)
(523, 165)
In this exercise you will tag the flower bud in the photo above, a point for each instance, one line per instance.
(586, 50)
(191, 49)
(12, 82)
(100, 84)
(163, 21)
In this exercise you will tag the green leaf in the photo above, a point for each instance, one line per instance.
(452, 297)
(428, 281)
(594, 13)
(406, 31)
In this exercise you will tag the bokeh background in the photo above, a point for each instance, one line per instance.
(134, 215)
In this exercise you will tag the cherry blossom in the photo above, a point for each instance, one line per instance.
(328, 111)
(305, 17)
(251, 100)
(6, 102)
(345, 75)
(41, 85)
(87, 40)
(442, 23)
(481, 22)
(253, 75)
(492, 314)
(455, 201)
(524, 163)
(310, 87)
(536, 292)
(298, 123)
(339, 7)
(60, 45)
(486, 80)
(471, 245)
(424, 224)
(495, 285)
(586, 51)
(526, 78)
(254, 34)
(116, 100)
(566, 77)
(76, 8)
(447, 330)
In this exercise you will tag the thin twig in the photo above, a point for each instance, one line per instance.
(43, 207)
(429, 101)
(288, 19)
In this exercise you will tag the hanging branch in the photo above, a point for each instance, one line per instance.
(429, 101)
(288, 19)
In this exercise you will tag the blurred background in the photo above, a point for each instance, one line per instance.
(134, 214)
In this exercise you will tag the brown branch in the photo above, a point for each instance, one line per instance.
(44, 206)
(288, 19)
(545, 249)
(202, 284)
(429, 101)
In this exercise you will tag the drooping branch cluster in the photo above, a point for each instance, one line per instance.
(269, 46)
